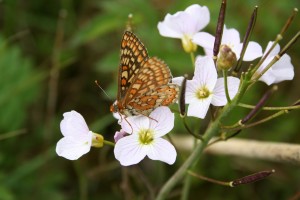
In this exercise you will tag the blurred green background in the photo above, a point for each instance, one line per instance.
(50, 55)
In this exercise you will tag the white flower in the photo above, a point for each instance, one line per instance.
(145, 139)
(205, 88)
(185, 24)
(77, 138)
(280, 71)
(231, 38)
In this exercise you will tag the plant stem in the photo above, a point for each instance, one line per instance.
(108, 143)
(270, 108)
(193, 58)
(188, 180)
(226, 86)
(212, 131)
(265, 119)
(209, 179)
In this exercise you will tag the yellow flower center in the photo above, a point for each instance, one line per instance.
(202, 93)
(187, 44)
(145, 136)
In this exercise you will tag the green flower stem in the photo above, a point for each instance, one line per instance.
(190, 131)
(15, 133)
(193, 58)
(265, 119)
(186, 188)
(108, 143)
(270, 108)
(212, 131)
(257, 122)
(234, 126)
(209, 179)
(188, 180)
(226, 86)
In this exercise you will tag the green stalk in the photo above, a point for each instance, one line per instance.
(226, 86)
(212, 131)
(243, 105)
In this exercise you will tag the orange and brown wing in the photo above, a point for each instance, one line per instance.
(160, 96)
(133, 57)
(153, 74)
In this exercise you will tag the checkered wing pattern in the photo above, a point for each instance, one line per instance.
(153, 74)
(163, 95)
(144, 83)
(133, 57)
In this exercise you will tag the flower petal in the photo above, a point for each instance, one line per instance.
(205, 72)
(253, 51)
(274, 52)
(72, 147)
(191, 90)
(219, 96)
(268, 77)
(129, 151)
(199, 108)
(162, 121)
(231, 37)
(178, 80)
(119, 134)
(206, 41)
(168, 29)
(133, 124)
(200, 14)
(73, 124)
(162, 150)
(282, 70)
(186, 22)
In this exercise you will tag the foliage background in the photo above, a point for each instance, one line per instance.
(44, 74)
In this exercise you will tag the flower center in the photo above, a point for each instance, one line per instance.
(187, 44)
(145, 136)
(202, 93)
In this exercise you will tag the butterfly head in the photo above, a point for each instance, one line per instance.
(115, 107)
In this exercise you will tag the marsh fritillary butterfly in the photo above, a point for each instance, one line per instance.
(144, 83)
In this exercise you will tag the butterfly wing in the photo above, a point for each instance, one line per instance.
(162, 95)
(144, 83)
(133, 56)
(154, 73)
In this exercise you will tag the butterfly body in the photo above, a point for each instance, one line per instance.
(144, 83)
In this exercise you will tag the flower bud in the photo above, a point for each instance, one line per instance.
(226, 58)
(97, 140)
(188, 45)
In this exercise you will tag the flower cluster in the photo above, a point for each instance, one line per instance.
(188, 23)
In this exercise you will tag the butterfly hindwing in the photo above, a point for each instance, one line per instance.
(152, 74)
(162, 95)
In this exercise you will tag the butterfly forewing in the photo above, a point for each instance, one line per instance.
(133, 56)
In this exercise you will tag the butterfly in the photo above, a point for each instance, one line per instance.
(144, 83)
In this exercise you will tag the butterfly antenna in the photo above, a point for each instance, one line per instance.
(129, 24)
(102, 89)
